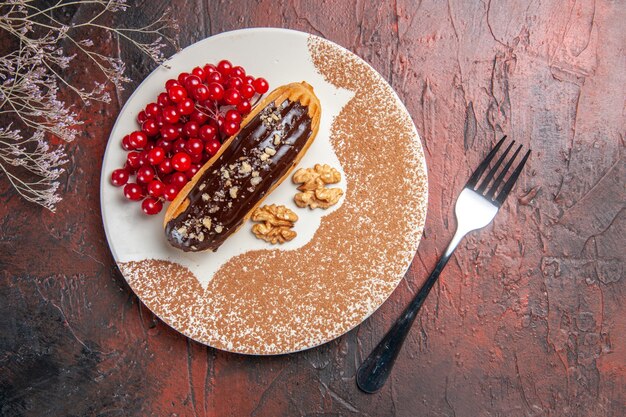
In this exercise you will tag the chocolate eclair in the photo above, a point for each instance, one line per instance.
(250, 164)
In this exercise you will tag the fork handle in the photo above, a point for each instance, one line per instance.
(375, 370)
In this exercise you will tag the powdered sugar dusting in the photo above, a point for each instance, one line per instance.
(273, 301)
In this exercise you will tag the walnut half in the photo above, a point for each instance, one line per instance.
(277, 223)
(313, 186)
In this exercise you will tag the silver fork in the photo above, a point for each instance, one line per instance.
(475, 208)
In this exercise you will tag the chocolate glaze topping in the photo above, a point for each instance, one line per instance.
(261, 153)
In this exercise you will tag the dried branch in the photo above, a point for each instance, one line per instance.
(32, 63)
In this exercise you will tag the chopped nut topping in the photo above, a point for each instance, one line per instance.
(275, 116)
(264, 157)
(233, 192)
(245, 168)
(182, 230)
(270, 151)
(255, 173)
(277, 223)
(218, 228)
(202, 186)
(276, 139)
(255, 181)
(200, 236)
(206, 197)
(206, 222)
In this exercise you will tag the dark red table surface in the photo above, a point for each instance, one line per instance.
(528, 319)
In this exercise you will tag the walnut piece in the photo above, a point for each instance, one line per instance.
(313, 186)
(276, 224)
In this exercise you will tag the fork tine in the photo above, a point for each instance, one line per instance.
(471, 183)
(498, 180)
(492, 172)
(502, 195)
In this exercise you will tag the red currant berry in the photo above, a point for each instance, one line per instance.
(119, 177)
(165, 167)
(232, 96)
(156, 188)
(170, 115)
(177, 93)
(145, 174)
(164, 100)
(126, 143)
(192, 171)
(230, 128)
(199, 72)
(169, 132)
(133, 191)
(194, 146)
(179, 179)
(260, 85)
(181, 161)
(196, 159)
(234, 82)
(215, 77)
(224, 67)
(192, 82)
(159, 119)
(133, 159)
(191, 129)
(151, 206)
(244, 107)
(182, 77)
(171, 83)
(141, 117)
(247, 91)
(238, 71)
(170, 192)
(212, 146)
(249, 79)
(199, 117)
(179, 145)
(209, 68)
(148, 147)
(166, 145)
(216, 91)
(138, 140)
(232, 116)
(152, 109)
(143, 157)
(150, 127)
(128, 168)
(185, 107)
(156, 156)
(208, 132)
(201, 92)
